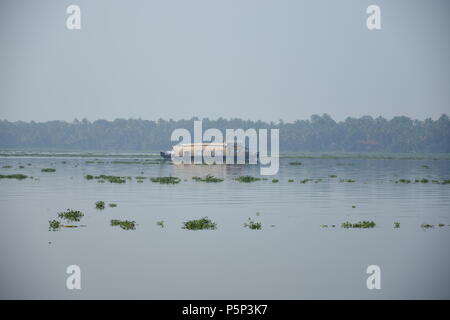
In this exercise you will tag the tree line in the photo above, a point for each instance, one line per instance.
(319, 133)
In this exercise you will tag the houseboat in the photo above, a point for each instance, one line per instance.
(188, 151)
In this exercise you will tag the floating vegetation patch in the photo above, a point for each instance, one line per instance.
(247, 179)
(295, 163)
(7, 167)
(208, 178)
(166, 180)
(48, 170)
(306, 180)
(396, 225)
(13, 176)
(291, 180)
(423, 180)
(426, 226)
(359, 225)
(124, 224)
(200, 224)
(326, 226)
(253, 225)
(441, 225)
(333, 176)
(71, 215)
(347, 180)
(425, 166)
(103, 178)
(54, 225)
(100, 205)
(21, 167)
(113, 205)
(275, 180)
(160, 223)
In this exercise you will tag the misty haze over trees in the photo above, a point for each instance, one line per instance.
(320, 133)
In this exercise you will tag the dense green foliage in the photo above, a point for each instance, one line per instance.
(320, 133)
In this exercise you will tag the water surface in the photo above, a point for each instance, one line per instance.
(292, 257)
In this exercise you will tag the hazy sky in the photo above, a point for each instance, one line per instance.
(255, 59)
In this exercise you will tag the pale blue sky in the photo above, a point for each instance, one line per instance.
(255, 59)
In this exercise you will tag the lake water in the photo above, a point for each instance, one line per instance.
(291, 257)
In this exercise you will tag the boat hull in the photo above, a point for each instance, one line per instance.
(248, 157)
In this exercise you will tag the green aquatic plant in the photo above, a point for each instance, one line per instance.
(247, 179)
(200, 224)
(89, 177)
(13, 176)
(100, 205)
(353, 206)
(441, 225)
(333, 176)
(48, 170)
(111, 179)
(275, 180)
(291, 180)
(124, 224)
(71, 215)
(166, 180)
(306, 180)
(396, 225)
(403, 181)
(21, 167)
(347, 180)
(112, 205)
(360, 225)
(425, 166)
(54, 225)
(253, 225)
(295, 163)
(160, 223)
(446, 181)
(208, 178)
(7, 167)
(426, 226)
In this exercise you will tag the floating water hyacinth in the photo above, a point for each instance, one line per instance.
(247, 179)
(209, 178)
(100, 205)
(359, 225)
(48, 170)
(71, 215)
(200, 224)
(166, 180)
(253, 225)
(54, 225)
(124, 224)
(13, 176)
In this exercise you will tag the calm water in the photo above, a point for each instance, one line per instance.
(292, 257)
